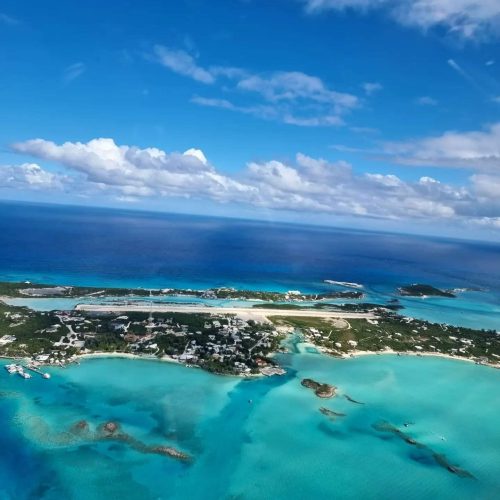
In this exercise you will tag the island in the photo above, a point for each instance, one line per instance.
(240, 341)
(321, 390)
(420, 290)
(39, 290)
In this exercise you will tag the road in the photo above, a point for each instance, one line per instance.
(239, 311)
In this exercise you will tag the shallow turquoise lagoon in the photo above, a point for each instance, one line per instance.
(479, 310)
(254, 439)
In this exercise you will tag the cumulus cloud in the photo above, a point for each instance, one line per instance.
(131, 171)
(291, 97)
(30, 176)
(317, 185)
(305, 185)
(478, 150)
(466, 18)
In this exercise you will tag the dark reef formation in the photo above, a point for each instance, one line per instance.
(110, 431)
(330, 413)
(352, 400)
(439, 458)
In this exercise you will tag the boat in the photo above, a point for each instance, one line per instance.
(46, 375)
(12, 368)
(23, 374)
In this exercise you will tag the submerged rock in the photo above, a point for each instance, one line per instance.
(80, 426)
(353, 400)
(110, 431)
(440, 459)
(169, 451)
(330, 413)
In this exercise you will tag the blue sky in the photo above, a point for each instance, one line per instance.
(365, 113)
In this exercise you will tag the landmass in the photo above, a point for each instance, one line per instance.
(321, 390)
(420, 290)
(38, 290)
(238, 341)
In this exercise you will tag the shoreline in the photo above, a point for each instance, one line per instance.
(347, 356)
(360, 354)
(356, 354)
(136, 357)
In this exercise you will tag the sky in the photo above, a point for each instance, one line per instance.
(378, 114)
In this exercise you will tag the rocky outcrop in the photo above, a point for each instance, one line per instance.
(321, 390)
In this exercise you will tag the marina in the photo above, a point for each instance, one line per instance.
(21, 370)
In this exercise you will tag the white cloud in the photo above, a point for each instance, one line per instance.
(131, 171)
(29, 176)
(293, 86)
(371, 87)
(478, 150)
(183, 63)
(465, 18)
(487, 186)
(271, 112)
(305, 185)
(317, 185)
(291, 97)
(73, 71)
(260, 111)
(427, 101)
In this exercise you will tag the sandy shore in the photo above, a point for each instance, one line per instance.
(165, 359)
(239, 311)
(356, 354)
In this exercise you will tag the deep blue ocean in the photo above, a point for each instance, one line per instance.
(249, 439)
(102, 247)
(95, 246)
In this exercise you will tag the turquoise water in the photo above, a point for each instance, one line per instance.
(277, 446)
(469, 309)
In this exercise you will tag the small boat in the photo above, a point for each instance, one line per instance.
(46, 375)
(11, 368)
(23, 374)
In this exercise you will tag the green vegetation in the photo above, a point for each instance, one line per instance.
(360, 307)
(400, 334)
(34, 331)
(27, 289)
(221, 344)
(419, 290)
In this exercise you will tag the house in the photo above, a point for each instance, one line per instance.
(7, 339)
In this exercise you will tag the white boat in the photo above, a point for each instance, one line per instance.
(11, 368)
(46, 375)
(23, 374)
